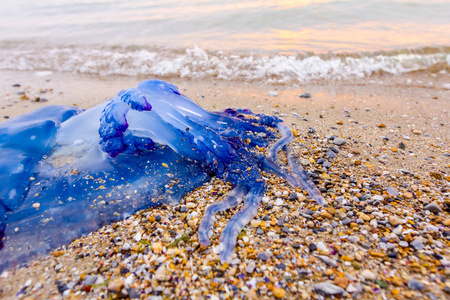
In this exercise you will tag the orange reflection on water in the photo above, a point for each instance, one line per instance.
(361, 37)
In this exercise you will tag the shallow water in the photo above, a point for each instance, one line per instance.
(273, 41)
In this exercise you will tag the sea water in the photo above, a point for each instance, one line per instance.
(282, 41)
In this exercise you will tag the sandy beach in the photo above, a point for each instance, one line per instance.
(384, 233)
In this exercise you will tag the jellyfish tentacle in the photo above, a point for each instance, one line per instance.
(207, 223)
(287, 137)
(239, 220)
(271, 167)
(305, 182)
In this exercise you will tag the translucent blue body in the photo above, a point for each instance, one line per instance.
(66, 172)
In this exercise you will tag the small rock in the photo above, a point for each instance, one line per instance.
(326, 215)
(328, 288)
(393, 191)
(341, 282)
(61, 286)
(90, 279)
(272, 93)
(433, 207)
(346, 221)
(126, 247)
(417, 244)
(160, 273)
(403, 244)
(250, 268)
(278, 292)
(329, 261)
(353, 239)
(305, 95)
(339, 141)
(263, 256)
(415, 285)
(115, 285)
(368, 275)
(293, 196)
(394, 221)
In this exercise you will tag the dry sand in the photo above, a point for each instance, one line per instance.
(364, 244)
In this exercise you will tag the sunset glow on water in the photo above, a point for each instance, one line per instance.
(224, 39)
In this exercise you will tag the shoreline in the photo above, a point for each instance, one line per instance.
(348, 244)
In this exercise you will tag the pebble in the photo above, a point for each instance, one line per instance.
(433, 207)
(346, 221)
(272, 93)
(126, 247)
(61, 286)
(263, 256)
(339, 141)
(403, 244)
(278, 292)
(328, 288)
(250, 268)
(160, 273)
(321, 246)
(368, 275)
(329, 261)
(415, 285)
(305, 95)
(353, 239)
(394, 221)
(115, 285)
(417, 244)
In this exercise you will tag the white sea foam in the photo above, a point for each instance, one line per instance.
(197, 63)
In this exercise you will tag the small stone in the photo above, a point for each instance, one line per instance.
(90, 279)
(446, 222)
(416, 131)
(250, 268)
(328, 288)
(160, 273)
(437, 175)
(272, 93)
(433, 207)
(115, 285)
(381, 125)
(305, 95)
(381, 283)
(339, 141)
(417, 244)
(61, 286)
(263, 256)
(157, 247)
(126, 247)
(326, 215)
(415, 285)
(346, 221)
(356, 265)
(278, 292)
(353, 239)
(394, 221)
(392, 191)
(368, 275)
(329, 261)
(310, 224)
(403, 244)
(341, 282)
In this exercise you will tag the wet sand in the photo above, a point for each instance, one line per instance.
(374, 239)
